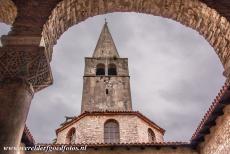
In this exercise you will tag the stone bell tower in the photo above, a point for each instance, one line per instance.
(106, 110)
(106, 83)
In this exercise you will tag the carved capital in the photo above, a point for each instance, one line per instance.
(28, 62)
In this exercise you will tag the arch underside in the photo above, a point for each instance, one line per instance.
(192, 13)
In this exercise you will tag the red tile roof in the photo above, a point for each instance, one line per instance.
(99, 113)
(215, 110)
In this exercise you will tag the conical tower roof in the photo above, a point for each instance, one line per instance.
(105, 46)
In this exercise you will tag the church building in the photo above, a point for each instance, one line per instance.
(106, 109)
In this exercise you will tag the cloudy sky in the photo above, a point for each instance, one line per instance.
(175, 73)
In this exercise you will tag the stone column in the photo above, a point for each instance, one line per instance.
(15, 98)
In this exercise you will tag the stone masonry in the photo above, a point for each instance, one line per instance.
(218, 141)
(90, 129)
(95, 97)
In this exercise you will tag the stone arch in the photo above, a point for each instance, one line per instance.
(112, 69)
(192, 13)
(8, 11)
(100, 69)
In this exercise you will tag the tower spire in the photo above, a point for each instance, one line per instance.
(105, 46)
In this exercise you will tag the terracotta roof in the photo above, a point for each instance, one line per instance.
(27, 137)
(215, 110)
(93, 113)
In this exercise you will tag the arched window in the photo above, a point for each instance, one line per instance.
(71, 136)
(112, 69)
(151, 135)
(100, 70)
(111, 131)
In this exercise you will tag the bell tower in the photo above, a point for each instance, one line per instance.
(106, 109)
(106, 78)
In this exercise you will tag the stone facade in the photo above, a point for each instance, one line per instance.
(95, 97)
(218, 141)
(90, 129)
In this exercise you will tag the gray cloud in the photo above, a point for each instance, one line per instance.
(175, 73)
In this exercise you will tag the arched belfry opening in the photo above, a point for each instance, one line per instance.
(100, 69)
(112, 69)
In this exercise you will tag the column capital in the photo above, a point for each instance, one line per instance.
(29, 62)
(17, 81)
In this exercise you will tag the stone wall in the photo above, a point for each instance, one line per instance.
(106, 93)
(143, 135)
(218, 141)
(90, 129)
(121, 65)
